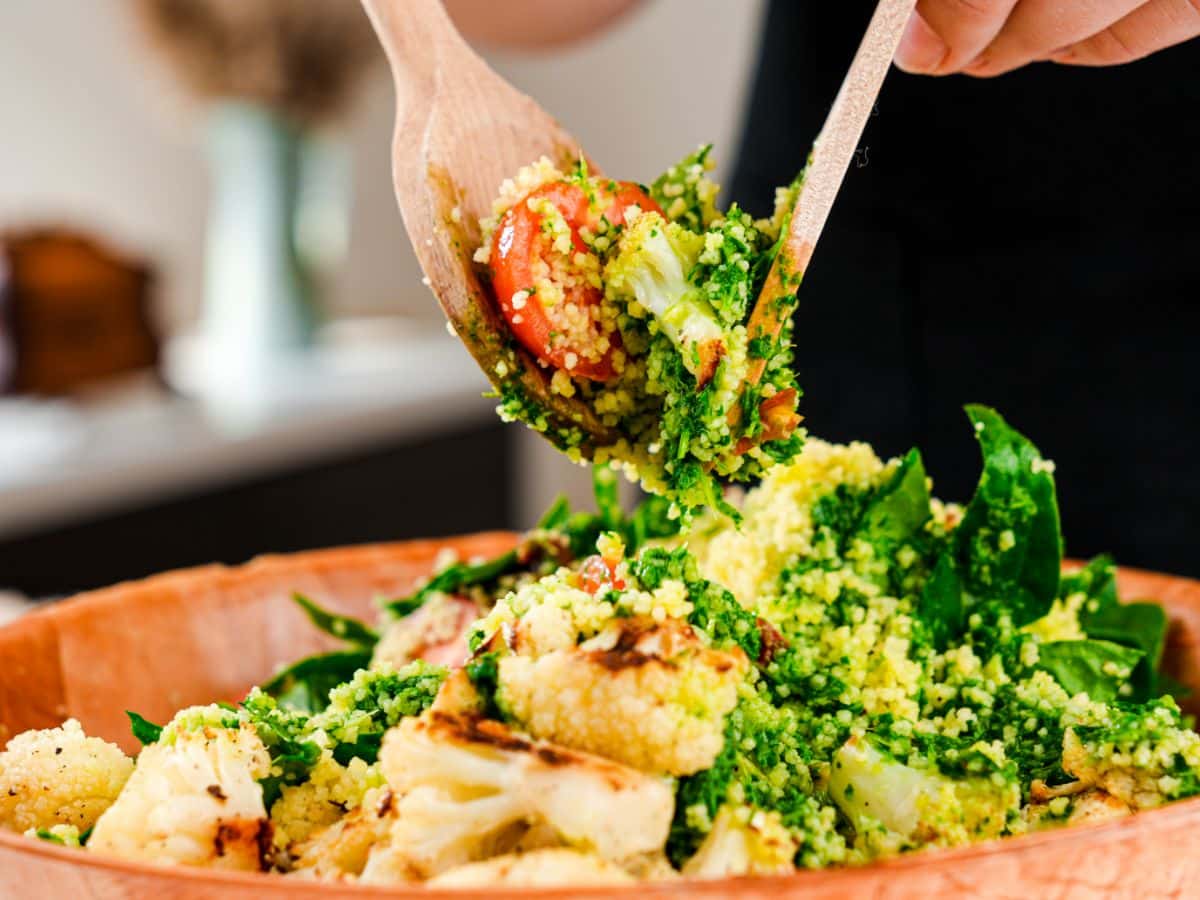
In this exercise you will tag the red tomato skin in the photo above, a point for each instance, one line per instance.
(597, 575)
(513, 255)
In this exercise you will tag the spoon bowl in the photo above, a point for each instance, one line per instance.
(461, 130)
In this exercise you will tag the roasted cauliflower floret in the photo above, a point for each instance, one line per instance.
(744, 841)
(915, 805)
(538, 868)
(1072, 804)
(470, 789)
(1095, 806)
(59, 776)
(559, 610)
(341, 851)
(194, 798)
(1143, 762)
(330, 792)
(648, 694)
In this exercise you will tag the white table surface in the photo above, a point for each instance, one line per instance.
(62, 464)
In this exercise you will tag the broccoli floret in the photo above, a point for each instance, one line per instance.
(651, 267)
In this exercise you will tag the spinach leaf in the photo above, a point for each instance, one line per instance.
(345, 628)
(900, 508)
(651, 520)
(304, 686)
(1097, 668)
(145, 731)
(484, 673)
(1097, 581)
(556, 516)
(454, 578)
(940, 605)
(1008, 544)
(608, 497)
(1142, 626)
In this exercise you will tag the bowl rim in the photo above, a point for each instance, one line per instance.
(1147, 822)
(1164, 818)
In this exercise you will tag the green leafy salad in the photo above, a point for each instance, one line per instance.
(851, 671)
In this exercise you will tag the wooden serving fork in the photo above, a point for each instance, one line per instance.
(831, 157)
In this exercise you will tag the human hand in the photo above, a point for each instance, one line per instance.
(991, 37)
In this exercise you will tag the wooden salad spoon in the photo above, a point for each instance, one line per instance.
(461, 130)
(832, 153)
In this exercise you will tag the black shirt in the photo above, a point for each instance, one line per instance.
(1031, 242)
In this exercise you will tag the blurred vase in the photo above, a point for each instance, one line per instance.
(277, 222)
(258, 300)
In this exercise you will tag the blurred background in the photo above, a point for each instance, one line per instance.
(214, 340)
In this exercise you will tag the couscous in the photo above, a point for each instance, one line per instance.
(854, 671)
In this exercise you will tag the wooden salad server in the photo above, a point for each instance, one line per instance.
(831, 156)
(461, 130)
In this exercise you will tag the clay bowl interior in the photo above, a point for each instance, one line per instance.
(210, 633)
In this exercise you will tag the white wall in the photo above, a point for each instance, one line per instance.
(92, 135)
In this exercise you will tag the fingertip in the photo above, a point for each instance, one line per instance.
(984, 66)
(921, 50)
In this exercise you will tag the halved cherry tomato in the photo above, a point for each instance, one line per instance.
(517, 245)
(598, 574)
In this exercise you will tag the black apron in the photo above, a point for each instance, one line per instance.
(1030, 242)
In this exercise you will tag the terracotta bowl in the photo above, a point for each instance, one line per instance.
(210, 633)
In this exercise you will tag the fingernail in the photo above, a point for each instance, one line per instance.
(921, 50)
(977, 66)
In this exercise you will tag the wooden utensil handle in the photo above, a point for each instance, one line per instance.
(419, 38)
(838, 141)
(831, 156)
